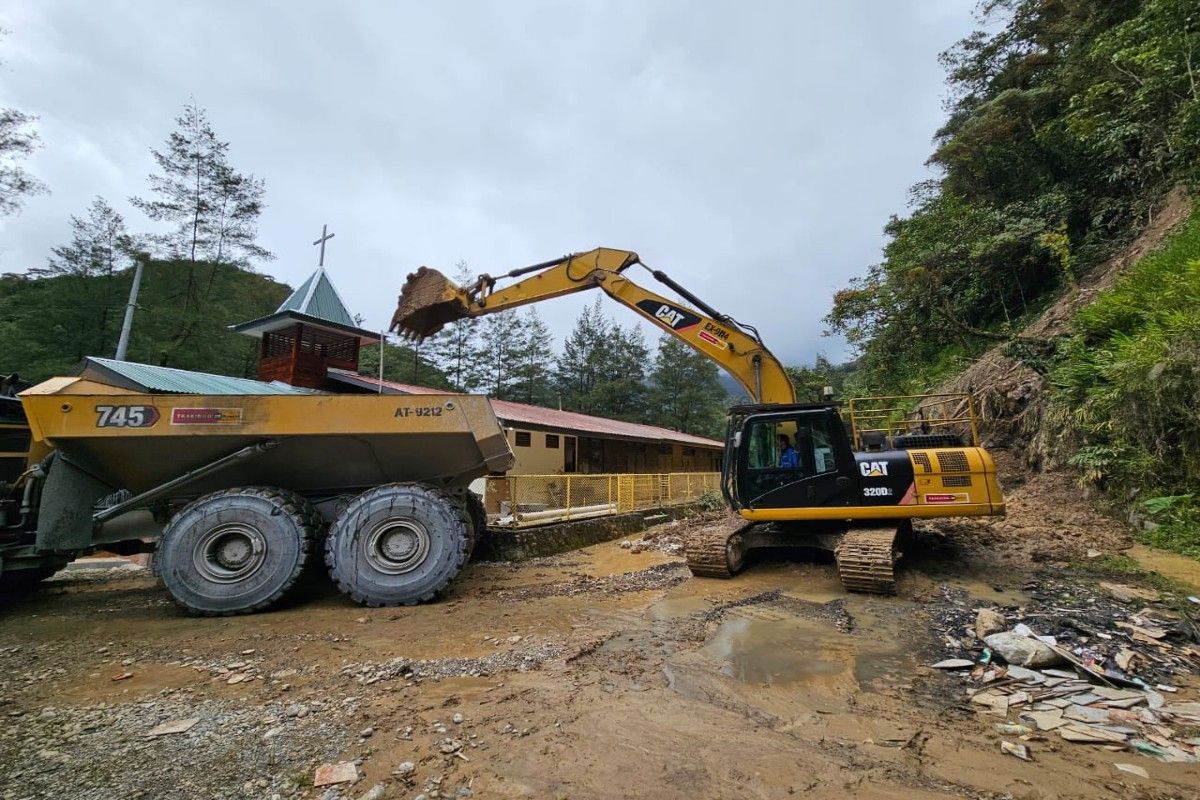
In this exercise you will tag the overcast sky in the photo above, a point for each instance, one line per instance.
(752, 150)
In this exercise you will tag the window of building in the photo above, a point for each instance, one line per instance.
(524, 438)
(552, 441)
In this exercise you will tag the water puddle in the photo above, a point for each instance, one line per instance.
(757, 649)
(682, 606)
(1172, 565)
(992, 592)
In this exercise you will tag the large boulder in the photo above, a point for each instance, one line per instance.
(989, 621)
(1021, 650)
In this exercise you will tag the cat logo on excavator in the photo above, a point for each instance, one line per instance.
(873, 469)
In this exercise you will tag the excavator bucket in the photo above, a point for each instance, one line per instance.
(428, 302)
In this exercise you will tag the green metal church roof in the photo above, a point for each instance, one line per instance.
(317, 297)
(316, 303)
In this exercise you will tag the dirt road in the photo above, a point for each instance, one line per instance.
(602, 673)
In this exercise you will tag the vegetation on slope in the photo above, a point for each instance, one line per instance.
(1126, 388)
(1069, 120)
(1066, 126)
(49, 324)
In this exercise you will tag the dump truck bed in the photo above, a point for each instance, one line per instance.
(325, 443)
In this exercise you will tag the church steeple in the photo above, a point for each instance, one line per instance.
(310, 332)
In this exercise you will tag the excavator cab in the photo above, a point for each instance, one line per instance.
(760, 472)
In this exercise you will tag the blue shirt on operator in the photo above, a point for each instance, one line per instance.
(788, 457)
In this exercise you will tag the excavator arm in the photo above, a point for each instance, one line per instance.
(429, 301)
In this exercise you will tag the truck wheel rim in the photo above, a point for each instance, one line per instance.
(397, 546)
(229, 553)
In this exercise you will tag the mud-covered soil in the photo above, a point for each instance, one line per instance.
(1049, 522)
(601, 673)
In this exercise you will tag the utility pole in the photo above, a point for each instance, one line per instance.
(127, 325)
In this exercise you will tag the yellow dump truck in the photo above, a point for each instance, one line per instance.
(235, 490)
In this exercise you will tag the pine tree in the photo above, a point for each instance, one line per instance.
(18, 140)
(685, 393)
(535, 365)
(213, 210)
(456, 349)
(501, 344)
(99, 245)
(579, 368)
(212, 207)
(621, 392)
(93, 292)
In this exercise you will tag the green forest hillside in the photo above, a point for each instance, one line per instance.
(1069, 123)
(49, 324)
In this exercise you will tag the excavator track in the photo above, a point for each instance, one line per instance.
(866, 560)
(716, 553)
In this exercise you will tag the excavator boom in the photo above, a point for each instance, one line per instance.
(429, 301)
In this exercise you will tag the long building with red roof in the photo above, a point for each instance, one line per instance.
(549, 440)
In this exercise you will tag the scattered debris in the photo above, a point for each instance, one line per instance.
(174, 726)
(1014, 749)
(953, 663)
(341, 772)
(1112, 690)
(1132, 769)
(1129, 594)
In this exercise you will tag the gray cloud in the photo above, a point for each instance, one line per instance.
(751, 150)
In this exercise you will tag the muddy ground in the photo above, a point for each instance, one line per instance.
(602, 673)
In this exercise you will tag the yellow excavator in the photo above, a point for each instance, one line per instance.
(798, 473)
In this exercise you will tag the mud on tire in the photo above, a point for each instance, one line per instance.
(237, 551)
(477, 514)
(398, 544)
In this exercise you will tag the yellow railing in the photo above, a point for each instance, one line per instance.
(515, 501)
(914, 414)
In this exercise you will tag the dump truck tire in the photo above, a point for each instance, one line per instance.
(478, 516)
(398, 544)
(237, 551)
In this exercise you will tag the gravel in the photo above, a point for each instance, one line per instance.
(104, 751)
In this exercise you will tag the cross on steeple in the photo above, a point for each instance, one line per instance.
(325, 236)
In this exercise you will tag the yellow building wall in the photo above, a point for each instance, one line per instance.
(618, 455)
(537, 458)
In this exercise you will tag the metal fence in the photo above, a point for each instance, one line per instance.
(516, 501)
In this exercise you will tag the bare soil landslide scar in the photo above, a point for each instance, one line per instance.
(800, 474)
(240, 495)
